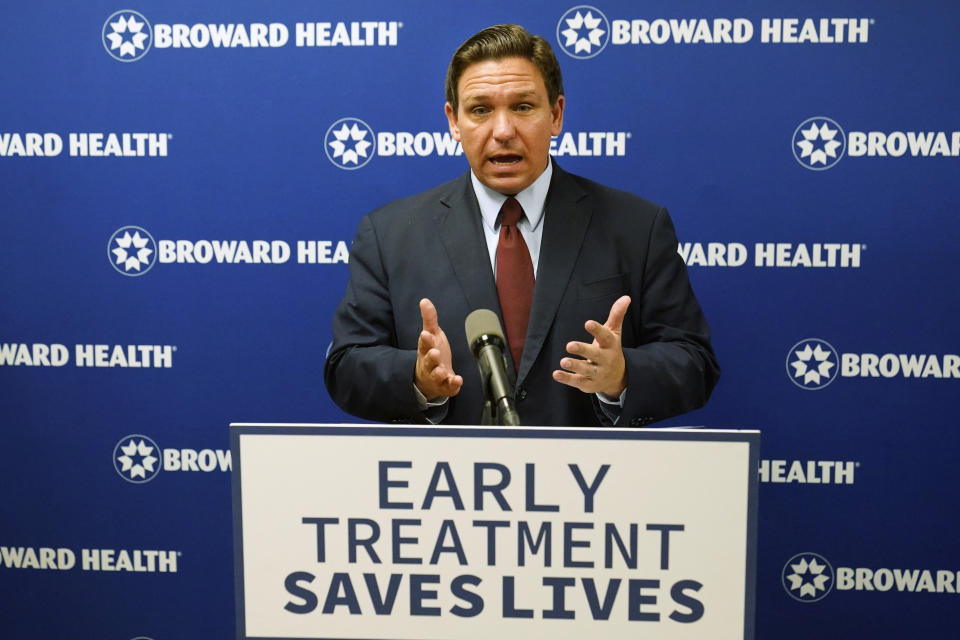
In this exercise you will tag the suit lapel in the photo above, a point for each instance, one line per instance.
(565, 224)
(460, 230)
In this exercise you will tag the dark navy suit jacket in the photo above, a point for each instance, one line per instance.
(598, 244)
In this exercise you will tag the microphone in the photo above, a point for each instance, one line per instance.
(486, 341)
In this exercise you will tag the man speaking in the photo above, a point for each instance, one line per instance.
(601, 324)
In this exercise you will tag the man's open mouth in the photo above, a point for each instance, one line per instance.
(506, 159)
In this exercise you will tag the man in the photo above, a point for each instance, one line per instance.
(579, 252)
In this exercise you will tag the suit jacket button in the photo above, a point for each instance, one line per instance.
(521, 394)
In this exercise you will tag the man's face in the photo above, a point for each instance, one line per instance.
(504, 121)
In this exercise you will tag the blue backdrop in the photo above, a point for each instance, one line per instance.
(177, 213)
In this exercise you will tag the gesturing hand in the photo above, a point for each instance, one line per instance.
(600, 367)
(434, 374)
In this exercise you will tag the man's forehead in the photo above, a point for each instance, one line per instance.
(485, 91)
(518, 76)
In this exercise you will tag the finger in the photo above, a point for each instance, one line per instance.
(452, 384)
(585, 351)
(434, 366)
(617, 312)
(584, 368)
(571, 380)
(444, 381)
(428, 313)
(425, 343)
(605, 338)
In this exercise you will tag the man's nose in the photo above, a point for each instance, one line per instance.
(503, 125)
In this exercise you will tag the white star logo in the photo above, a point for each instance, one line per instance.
(125, 37)
(350, 143)
(353, 135)
(829, 149)
(140, 451)
(583, 31)
(593, 32)
(138, 459)
(820, 142)
(132, 251)
(807, 577)
(813, 364)
(123, 26)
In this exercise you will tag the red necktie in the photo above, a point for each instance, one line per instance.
(514, 278)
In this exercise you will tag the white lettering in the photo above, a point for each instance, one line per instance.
(223, 251)
(899, 143)
(198, 36)
(60, 559)
(816, 255)
(844, 578)
(807, 472)
(843, 472)
(814, 31)
(205, 460)
(353, 34)
(126, 145)
(124, 356)
(318, 252)
(590, 143)
(33, 355)
(892, 365)
(686, 31)
(30, 144)
(136, 560)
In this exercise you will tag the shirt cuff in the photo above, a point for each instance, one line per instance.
(604, 398)
(611, 407)
(425, 404)
(433, 411)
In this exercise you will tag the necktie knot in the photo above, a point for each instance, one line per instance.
(511, 212)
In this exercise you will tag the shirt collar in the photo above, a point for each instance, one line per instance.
(532, 199)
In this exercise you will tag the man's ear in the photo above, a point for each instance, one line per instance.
(452, 121)
(556, 113)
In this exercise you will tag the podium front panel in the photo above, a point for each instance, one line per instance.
(374, 532)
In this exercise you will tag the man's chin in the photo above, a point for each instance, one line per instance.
(506, 181)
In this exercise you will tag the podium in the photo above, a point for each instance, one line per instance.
(428, 533)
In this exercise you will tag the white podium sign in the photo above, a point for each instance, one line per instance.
(430, 533)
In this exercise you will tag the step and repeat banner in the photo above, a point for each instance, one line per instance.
(181, 183)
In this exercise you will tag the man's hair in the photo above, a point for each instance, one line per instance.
(505, 41)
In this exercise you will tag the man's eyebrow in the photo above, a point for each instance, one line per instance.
(482, 97)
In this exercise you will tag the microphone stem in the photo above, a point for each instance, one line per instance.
(497, 385)
(507, 414)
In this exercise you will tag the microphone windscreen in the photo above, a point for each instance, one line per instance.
(482, 322)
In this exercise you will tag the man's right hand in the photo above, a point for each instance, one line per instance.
(434, 374)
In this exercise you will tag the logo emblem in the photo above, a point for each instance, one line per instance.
(350, 143)
(583, 32)
(807, 577)
(812, 364)
(819, 143)
(127, 35)
(132, 251)
(137, 459)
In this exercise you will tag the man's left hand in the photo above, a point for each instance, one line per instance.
(600, 367)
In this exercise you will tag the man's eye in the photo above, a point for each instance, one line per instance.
(524, 107)
(478, 111)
